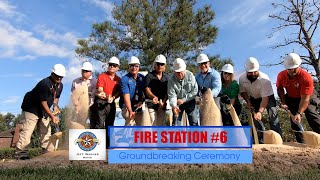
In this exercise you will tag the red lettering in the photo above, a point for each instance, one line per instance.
(145, 137)
(171, 133)
(136, 136)
(177, 138)
(164, 138)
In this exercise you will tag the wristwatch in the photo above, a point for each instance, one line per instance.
(299, 113)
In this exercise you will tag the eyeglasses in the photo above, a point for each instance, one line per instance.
(160, 64)
(113, 65)
(226, 73)
(85, 71)
(134, 66)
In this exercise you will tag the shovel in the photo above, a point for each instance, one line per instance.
(299, 124)
(251, 123)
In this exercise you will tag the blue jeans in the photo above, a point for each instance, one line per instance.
(273, 116)
(190, 109)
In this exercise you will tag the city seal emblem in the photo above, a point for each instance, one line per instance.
(87, 141)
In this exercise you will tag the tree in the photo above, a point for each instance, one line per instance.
(174, 28)
(7, 121)
(303, 17)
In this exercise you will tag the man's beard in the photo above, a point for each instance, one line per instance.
(252, 78)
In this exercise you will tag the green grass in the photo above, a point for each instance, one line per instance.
(77, 172)
(8, 153)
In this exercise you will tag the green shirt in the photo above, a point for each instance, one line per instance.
(232, 91)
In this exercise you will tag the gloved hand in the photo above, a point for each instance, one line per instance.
(225, 99)
(203, 90)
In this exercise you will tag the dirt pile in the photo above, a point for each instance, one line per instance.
(288, 158)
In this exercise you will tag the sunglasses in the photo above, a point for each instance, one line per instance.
(85, 71)
(59, 77)
(134, 66)
(226, 73)
(113, 65)
(204, 63)
(160, 64)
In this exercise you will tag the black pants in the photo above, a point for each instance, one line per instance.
(226, 117)
(272, 113)
(312, 115)
(105, 116)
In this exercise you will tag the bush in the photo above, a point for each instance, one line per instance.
(7, 153)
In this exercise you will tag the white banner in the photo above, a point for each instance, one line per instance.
(87, 144)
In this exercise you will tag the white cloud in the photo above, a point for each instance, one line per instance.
(8, 10)
(106, 6)
(26, 57)
(16, 75)
(246, 12)
(269, 41)
(11, 99)
(67, 38)
(14, 39)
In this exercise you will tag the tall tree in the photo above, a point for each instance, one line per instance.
(174, 28)
(302, 17)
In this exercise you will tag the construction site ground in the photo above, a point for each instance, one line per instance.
(288, 158)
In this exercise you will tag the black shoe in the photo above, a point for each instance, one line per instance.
(21, 155)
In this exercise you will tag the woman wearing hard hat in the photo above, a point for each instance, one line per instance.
(230, 88)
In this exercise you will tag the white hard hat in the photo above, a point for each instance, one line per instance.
(59, 70)
(161, 59)
(227, 68)
(87, 66)
(252, 64)
(202, 58)
(133, 60)
(292, 61)
(179, 65)
(114, 60)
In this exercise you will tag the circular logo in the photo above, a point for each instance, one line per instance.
(87, 141)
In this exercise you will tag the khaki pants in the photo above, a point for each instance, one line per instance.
(131, 122)
(158, 118)
(29, 121)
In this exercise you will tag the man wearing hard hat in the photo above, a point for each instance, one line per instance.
(85, 81)
(208, 78)
(256, 89)
(108, 89)
(36, 111)
(132, 88)
(182, 90)
(156, 91)
(300, 97)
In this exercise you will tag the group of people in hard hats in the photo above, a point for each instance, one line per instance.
(294, 86)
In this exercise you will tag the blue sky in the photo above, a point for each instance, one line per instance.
(35, 35)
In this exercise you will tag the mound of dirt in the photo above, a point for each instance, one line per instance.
(287, 158)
